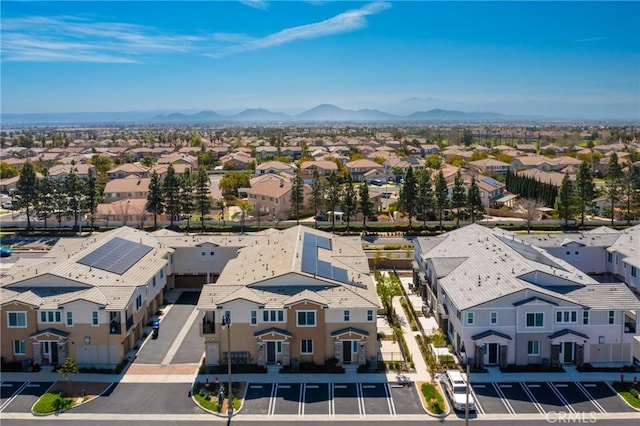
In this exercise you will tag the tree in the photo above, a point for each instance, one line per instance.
(585, 189)
(441, 196)
(26, 192)
(474, 202)
(349, 203)
(155, 198)
(66, 371)
(44, 205)
(60, 202)
(202, 195)
(334, 194)
(232, 181)
(408, 193)
(75, 189)
(8, 170)
(187, 201)
(245, 209)
(171, 191)
(614, 183)
(103, 164)
(529, 209)
(425, 195)
(466, 138)
(92, 197)
(630, 191)
(458, 196)
(297, 196)
(316, 201)
(565, 200)
(366, 206)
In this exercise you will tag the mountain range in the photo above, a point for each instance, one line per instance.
(320, 113)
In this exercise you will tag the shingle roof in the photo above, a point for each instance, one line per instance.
(490, 333)
(349, 330)
(566, 331)
(272, 330)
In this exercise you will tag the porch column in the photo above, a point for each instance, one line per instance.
(479, 353)
(503, 356)
(579, 355)
(37, 353)
(286, 353)
(62, 352)
(337, 351)
(555, 356)
(262, 355)
(362, 356)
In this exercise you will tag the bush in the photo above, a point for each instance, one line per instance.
(51, 403)
(435, 401)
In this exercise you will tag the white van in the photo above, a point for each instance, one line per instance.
(455, 385)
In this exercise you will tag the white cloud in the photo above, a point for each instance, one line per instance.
(77, 39)
(256, 4)
(590, 39)
(348, 21)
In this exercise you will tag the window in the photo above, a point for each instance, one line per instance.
(493, 318)
(306, 347)
(161, 273)
(254, 318)
(535, 319)
(227, 314)
(609, 257)
(273, 316)
(563, 317)
(19, 347)
(585, 317)
(306, 318)
(139, 301)
(617, 259)
(210, 253)
(203, 253)
(469, 318)
(370, 315)
(94, 318)
(154, 282)
(533, 347)
(50, 316)
(634, 271)
(612, 317)
(69, 319)
(347, 316)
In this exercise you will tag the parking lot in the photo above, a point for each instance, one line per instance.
(547, 397)
(331, 399)
(19, 397)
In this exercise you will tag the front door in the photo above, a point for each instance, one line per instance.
(50, 352)
(271, 352)
(568, 352)
(346, 352)
(493, 354)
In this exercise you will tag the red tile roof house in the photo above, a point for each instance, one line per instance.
(240, 160)
(60, 172)
(275, 167)
(177, 158)
(324, 167)
(358, 168)
(490, 165)
(271, 195)
(126, 188)
(128, 169)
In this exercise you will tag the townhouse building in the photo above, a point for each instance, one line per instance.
(87, 298)
(504, 301)
(126, 188)
(294, 296)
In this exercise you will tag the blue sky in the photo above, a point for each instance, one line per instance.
(125, 56)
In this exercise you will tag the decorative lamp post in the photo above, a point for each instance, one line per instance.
(226, 322)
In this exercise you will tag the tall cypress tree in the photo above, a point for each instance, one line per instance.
(74, 187)
(630, 190)
(441, 196)
(187, 200)
(349, 202)
(317, 195)
(45, 206)
(585, 189)
(203, 195)
(334, 194)
(408, 195)
(564, 202)
(614, 183)
(458, 196)
(474, 202)
(366, 206)
(26, 192)
(171, 191)
(297, 196)
(155, 198)
(93, 196)
(425, 195)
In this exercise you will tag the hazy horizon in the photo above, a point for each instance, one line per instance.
(559, 60)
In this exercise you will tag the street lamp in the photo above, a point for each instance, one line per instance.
(226, 322)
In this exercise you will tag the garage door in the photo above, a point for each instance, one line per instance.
(190, 281)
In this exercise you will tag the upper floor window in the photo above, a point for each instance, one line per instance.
(585, 317)
(94, 318)
(69, 319)
(17, 319)
(254, 318)
(273, 316)
(306, 318)
(609, 257)
(493, 318)
(139, 301)
(535, 319)
(51, 316)
(370, 315)
(566, 317)
(347, 316)
(469, 318)
(612, 317)
(634, 271)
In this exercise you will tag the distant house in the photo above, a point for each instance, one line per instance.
(324, 167)
(271, 195)
(275, 167)
(178, 168)
(489, 165)
(60, 172)
(128, 169)
(429, 149)
(264, 152)
(178, 158)
(126, 188)
(236, 161)
(359, 168)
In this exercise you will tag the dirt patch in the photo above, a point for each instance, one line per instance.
(152, 369)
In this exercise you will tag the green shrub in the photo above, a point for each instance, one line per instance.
(52, 402)
(435, 401)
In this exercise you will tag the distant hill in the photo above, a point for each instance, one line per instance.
(259, 114)
(446, 115)
(328, 112)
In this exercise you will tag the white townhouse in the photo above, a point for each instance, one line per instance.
(502, 301)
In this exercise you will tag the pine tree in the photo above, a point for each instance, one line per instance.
(155, 198)
(425, 196)
(297, 196)
(45, 207)
(565, 200)
(349, 203)
(614, 183)
(474, 202)
(187, 199)
(366, 206)
(408, 195)
(441, 196)
(630, 189)
(26, 192)
(75, 189)
(92, 197)
(585, 189)
(458, 197)
(60, 202)
(202, 195)
(334, 193)
(171, 191)
(317, 195)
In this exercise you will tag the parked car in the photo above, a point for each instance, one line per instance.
(455, 386)
(377, 182)
(5, 251)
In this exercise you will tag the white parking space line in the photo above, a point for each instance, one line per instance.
(272, 400)
(479, 386)
(303, 390)
(591, 398)
(16, 393)
(360, 399)
(368, 386)
(505, 386)
(5, 385)
(340, 386)
(392, 406)
(504, 399)
(332, 404)
(533, 399)
(479, 408)
(531, 385)
(561, 397)
(255, 387)
(312, 386)
(284, 386)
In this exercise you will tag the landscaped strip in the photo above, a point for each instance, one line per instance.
(434, 401)
(629, 393)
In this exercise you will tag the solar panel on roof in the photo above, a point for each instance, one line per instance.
(116, 255)
(312, 265)
(491, 181)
